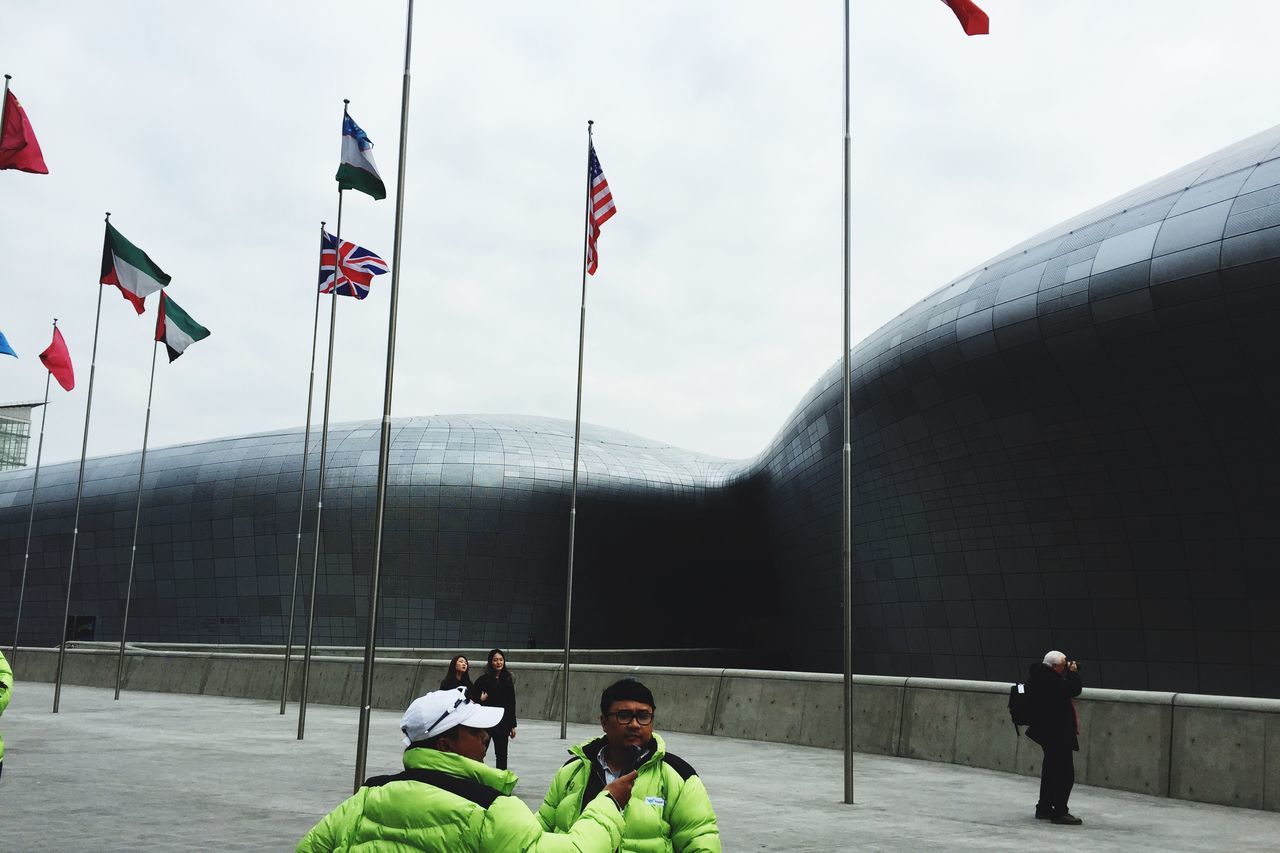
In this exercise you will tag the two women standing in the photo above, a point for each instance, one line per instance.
(495, 688)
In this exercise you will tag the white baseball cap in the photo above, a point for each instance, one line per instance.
(441, 710)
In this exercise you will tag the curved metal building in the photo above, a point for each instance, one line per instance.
(1071, 446)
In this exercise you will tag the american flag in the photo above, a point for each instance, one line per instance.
(601, 208)
(356, 269)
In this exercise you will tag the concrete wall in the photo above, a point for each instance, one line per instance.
(1213, 749)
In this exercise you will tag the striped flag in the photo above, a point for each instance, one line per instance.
(175, 328)
(356, 170)
(602, 209)
(130, 269)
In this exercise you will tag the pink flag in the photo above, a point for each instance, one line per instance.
(18, 147)
(58, 359)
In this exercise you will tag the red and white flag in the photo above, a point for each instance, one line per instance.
(601, 209)
(973, 19)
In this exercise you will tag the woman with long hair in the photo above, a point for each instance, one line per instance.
(457, 676)
(497, 688)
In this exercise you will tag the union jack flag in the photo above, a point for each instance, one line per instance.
(601, 209)
(355, 270)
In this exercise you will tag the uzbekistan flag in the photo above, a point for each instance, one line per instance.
(128, 268)
(175, 328)
(357, 170)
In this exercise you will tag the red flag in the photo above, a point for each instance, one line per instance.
(602, 209)
(58, 360)
(18, 147)
(973, 19)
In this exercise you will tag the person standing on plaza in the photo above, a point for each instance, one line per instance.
(447, 799)
(457, 676)
(670, 811)
(6, 688)
(1052, 684)
(497, 689)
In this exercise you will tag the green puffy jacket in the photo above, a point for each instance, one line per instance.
(669, 808)
(446, 802)
(6, 690)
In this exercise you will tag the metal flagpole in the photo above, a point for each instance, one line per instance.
(4, 102)
(846, 506)
(302, 492)
(31, 518)
(75, 534)
(137, 518)
(384, 446)
(577, 428)
(324, 446)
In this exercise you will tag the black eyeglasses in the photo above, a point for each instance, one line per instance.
(644, 718)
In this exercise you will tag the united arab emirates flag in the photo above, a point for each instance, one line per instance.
(357, 170)
(128, 268)
(175, 328)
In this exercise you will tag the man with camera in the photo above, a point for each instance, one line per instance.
(1052, 685)
(669, 808)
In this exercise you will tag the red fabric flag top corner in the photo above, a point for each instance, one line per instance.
(58, 360)
(973, 19)
(18, 147)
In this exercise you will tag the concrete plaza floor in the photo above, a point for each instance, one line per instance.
(167, 772)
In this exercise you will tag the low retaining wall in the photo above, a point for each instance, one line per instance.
(1214, 749)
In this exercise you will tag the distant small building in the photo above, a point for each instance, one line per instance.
(15, 433)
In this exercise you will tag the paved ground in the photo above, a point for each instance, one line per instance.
(169, 772)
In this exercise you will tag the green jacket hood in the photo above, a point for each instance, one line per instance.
(423, 758)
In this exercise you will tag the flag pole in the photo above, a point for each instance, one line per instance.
(324, 446)
(577, 428)
(75, 532)
(31, 517)
(302, 491)
(846, 511)
(137, 518)
(384, 447)
(4, 103)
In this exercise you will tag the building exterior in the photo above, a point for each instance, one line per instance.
(1070, 446)
(15, 433)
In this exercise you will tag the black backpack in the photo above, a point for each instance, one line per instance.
(1021, 710)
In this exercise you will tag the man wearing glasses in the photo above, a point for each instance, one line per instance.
(447, 798)
(669, 808)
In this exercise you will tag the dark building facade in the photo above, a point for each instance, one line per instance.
(1071, 446)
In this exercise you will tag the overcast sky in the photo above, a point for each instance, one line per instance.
(212, 132)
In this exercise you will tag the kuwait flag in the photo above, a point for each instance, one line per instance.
(128, 268)
(176, 329)
(357, 170)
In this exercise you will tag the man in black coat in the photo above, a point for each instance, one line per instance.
(1052, 684)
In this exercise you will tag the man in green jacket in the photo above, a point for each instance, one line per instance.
(448, 799)
(669, 809)
(6, 688)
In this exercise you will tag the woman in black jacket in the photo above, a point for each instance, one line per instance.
(497, 689)
(457, 676)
